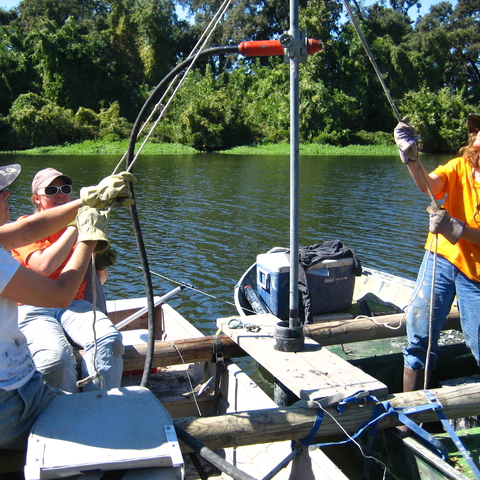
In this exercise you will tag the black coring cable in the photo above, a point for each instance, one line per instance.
(149, 103)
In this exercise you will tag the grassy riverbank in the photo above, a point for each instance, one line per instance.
(119, 148)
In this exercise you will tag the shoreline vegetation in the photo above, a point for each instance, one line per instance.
(120, 147)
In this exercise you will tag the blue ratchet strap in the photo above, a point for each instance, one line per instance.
(429, 440)
(313, 431)
(368, 449)
(359, 397)
(377, 416)
(446, 424)
(422, 435)
(319, 419)
(298, 446)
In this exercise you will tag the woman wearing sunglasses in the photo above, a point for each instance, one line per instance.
(52, 332)
(23, 393)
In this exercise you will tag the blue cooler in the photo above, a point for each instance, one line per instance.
(273, 277)
(330, 284)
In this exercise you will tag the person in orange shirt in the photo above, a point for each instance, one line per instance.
(52, 333)
(457, 264)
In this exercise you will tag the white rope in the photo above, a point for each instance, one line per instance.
(97, 374)
(381, 324)
(430, 319)
(364, 455)
(188, 377)
(205, 37)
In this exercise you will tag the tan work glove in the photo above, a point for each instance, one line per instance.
(105, 259)
(444, 224)
(92, 225)
(406, 140)
(114, 190)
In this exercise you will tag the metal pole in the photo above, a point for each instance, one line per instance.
(289, 335)
(294, 164)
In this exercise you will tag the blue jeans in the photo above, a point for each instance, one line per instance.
(19, 409)
(449, 281)
(51, 332)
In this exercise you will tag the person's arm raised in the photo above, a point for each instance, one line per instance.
(32, 288)
(37, 226)
(112, 190)
(420, 175)
(47, 260)
(406, 140)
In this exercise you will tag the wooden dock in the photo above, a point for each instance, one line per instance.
(312, 374)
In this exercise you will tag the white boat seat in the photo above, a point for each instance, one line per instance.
(92, 432)
(135, 337)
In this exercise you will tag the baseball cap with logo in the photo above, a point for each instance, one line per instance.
(45, 177)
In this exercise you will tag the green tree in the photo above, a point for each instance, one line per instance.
(82, 55)
(36, 122)
(403, 6)
(266, 104)
(439, 118)
(89, 51)
(207, 114)
(445, 47)
(16, 69)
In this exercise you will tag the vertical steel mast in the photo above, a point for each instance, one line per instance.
(294, 160)
(290, 337)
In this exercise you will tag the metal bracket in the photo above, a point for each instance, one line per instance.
(294, 43)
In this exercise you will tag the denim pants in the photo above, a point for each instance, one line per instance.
(19, 409)
(449, 281)
(51, 334)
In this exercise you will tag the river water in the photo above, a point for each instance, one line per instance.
(205, 217)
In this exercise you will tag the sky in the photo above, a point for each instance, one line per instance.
(7, 4)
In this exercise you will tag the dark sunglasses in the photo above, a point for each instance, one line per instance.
(52, 190)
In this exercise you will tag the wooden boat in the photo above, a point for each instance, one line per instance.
(218, 404)
(379, 299)
(239, 416)
(236, 418)
(186, 390)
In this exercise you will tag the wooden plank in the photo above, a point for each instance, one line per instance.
(311, 374)
(259, 459)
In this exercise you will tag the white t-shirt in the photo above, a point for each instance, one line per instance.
(16, 364)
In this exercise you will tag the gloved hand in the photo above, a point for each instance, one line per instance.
(406, 140)
(105, 259)
(441, 222)
(92, 224)
(111, 189)
(73, 223)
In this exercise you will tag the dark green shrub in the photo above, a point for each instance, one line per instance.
(372, 138)
(112, 126)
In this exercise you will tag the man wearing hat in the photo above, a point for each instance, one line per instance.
(456, 228)
(23, 394)
(50, 332)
